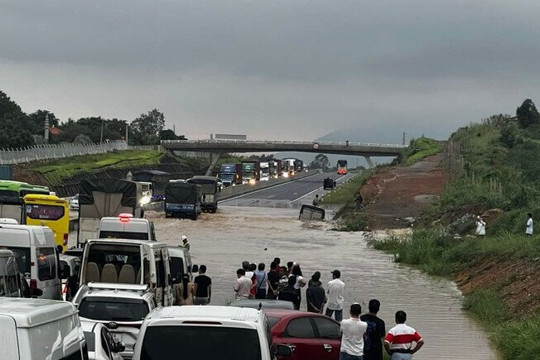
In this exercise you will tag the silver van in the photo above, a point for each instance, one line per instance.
(35, 252)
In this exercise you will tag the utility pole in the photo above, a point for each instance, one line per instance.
(46, 133)
(127, 134)
(101, 136)
(404, 138)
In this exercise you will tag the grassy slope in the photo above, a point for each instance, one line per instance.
(492, 175)
(68, 167)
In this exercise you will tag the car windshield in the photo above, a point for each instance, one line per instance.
(110, 309)
(201, 343)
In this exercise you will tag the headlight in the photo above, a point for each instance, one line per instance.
(145, 200)
(252, 181)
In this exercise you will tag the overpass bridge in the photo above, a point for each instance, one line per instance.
(217, 147)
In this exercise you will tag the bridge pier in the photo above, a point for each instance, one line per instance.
(370, 163)
(214, 157)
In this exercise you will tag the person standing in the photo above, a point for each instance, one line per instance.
(299, 283)
(359, 201)
(202, 287)
(374, 352)
(352, 335)
(262, 283)
(243, 285)
(480, 226)
(335, 291)
(315, 295)
(529, 225)
(273, 281)
(185, 242)
(400, 339)
(289, 293)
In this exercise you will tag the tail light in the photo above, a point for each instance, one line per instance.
(65, 239)
(33, 284)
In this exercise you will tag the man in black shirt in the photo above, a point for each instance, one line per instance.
(315, 294)
(289, 293)
(376, 334)
(273, 281)
(202, 287)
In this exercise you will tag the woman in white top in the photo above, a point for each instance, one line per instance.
(300, 283)
(480, 226)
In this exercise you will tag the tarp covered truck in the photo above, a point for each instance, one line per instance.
(182, 199)
(105, 197)
(210, 190)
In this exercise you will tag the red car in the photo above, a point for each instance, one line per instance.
(311, 336)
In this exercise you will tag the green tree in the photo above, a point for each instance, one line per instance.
(321, 162)
(170, 135)
(527, 114)
(14, 125)
(37, 121)
(145, 129)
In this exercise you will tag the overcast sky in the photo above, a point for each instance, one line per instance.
(275, 69)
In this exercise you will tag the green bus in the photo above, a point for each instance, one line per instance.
(11, 198)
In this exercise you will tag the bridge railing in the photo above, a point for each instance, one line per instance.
(329, 143)
(53, 151)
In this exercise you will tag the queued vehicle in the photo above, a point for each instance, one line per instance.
(309, 335)
(120, 307)
(206, 333)
(74, 202)
(125, 226)
(342, 167)
(209, 191)
(70, 265)
(11, 198)
(101, 344)
(182, 199)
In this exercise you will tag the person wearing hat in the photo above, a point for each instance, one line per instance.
(335, 291)
(185, 242)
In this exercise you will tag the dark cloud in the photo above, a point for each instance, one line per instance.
(428, 66)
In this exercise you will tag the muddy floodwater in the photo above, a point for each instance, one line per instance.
(222, 241)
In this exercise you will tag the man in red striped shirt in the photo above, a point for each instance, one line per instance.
(400, 339)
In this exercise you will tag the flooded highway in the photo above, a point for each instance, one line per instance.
(222, 241)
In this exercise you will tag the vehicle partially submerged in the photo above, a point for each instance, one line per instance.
(182, 199)
(209, 189)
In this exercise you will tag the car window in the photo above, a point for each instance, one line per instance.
(300, 328)
(272, 321)
(46, 262)
(111, 309)
(22, 256)
(327, 328)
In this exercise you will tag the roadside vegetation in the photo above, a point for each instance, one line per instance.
(68, 167)
(419, 149)
(495, 172)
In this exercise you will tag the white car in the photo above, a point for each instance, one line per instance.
(120, 307)
(74, 202)
(101, 344)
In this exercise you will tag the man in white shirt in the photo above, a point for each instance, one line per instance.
(529, 225)
(335, 291)
(243, 285)
(352, 335)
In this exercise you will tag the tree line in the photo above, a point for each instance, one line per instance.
(18, 129)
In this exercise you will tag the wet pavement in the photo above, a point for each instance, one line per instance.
(222, 241)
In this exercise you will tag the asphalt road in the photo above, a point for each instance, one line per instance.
(288, 195)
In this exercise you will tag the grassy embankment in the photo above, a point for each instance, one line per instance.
(57, 170)
(497, 167)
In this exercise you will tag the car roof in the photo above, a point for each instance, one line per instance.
(34, 312)
(126, 242)
(113, 290)
(263, 303)
(206, 313)
(285, 313)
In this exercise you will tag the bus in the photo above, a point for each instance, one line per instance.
(50, 211)
(11, 198)
(342, 167)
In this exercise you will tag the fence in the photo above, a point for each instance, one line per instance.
(50, 151)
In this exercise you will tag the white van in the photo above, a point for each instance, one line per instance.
(32, 329)
(125, 226)
(206, 333)
(35, 250)
(128, 261)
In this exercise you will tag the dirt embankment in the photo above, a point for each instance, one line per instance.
(395, 197)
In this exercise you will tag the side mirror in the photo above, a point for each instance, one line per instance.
(283, 350)
(194, 268)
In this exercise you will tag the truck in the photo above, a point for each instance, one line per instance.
(210, 190)
(251, 171)
(227, 174)
(105, 197)
(265, 170)
(298, 166)
(289, 167)
(277, 169)
(182, 199)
